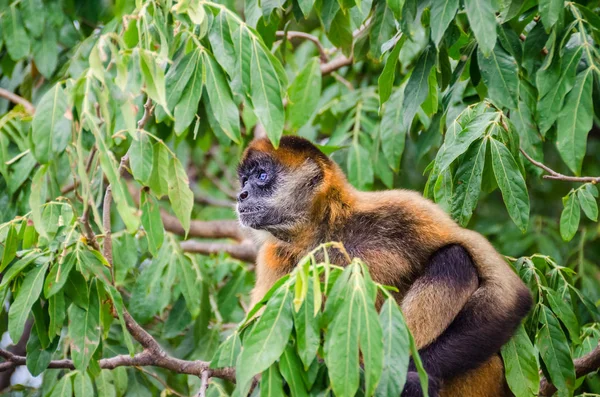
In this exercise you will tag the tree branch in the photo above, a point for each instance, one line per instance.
(293, 34)
(14, 98)
(335, 64)
(583, 366)
(245, 251)
(558, 176)
(204, 229)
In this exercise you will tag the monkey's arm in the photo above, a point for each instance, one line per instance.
(437, 296)
(480, 328)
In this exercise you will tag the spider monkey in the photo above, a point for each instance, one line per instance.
(461, 300)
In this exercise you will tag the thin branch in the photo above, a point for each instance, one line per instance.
(245, 251)
(293, 34)
(14, 98)
(204, 378)
(583, 366)
(160, 380)
(336, 64)
(558, 176)
(203, 229)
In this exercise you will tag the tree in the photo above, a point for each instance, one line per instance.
(123, 269)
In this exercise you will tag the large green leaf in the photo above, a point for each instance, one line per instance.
(141, 157)
(82, 385)
(575, 121)
(520, 361)
(189, 279)
(360, 168)
(554, 350)
(306, 325)
(59, 273)
(64, 388)
(383, 27)
(180, 194)
(482, 17)
(45, 53)
(50, 128)
(178, 77)
(186, 108)
(417, 86)
(84, 331)
(500, 75)
(266, 93)
(511, 183)
(268, 339)
(28, 293)
(152, 222)
(395, 350)
(16, 38)
(588, 202)
(228, 352)
(33, 16)
(388, 75)
(569, 218)
(468, 182)
(551, 11)
(393, 131)
(291, 369)
(304, 94)
(221, 101)
(442, 13)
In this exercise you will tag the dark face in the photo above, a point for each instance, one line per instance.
(272, 197)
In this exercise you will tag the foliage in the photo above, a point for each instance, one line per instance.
(469, 102)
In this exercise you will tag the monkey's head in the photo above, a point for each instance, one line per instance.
(279, 188)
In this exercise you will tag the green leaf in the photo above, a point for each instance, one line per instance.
(82, 385)
(152, 222)
(228, 352)
(18, 266)
(395, 350)
(141, 157)
(554, 350)
(588, 201)
(221, 101)
(267, 340)
(271, 383)
(306, 6)
(222, 44)
(38, 358)
(458, 139)
(442, 13)
(340, 31)
(266, 93)
(45, 53)
(180, 194)
(105, 384)
(33, 16)
(160, 170)
(520, 362)
(360, 169)
(37, 198)
(64, 388)
(417, 87)
(468, 182)
(575, 121)
(563, 310)
(304, 94)
(188, 281)
(187, 106)
(307, 328)
(569, 218)
(14, 34)
(291, 369)
(154, 78)
(84, 331)
(59, 273)
(511, 183)
(388, 75)
(28, 293)
(57, 312)
(119, 190)
(178, 78)
(383, 27)
(10, 250)
(551, 11)
(553, 84)
(117, 300)
(50, 128)
(500, 75)
(482, 17)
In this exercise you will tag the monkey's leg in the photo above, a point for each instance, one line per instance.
(434, 300)
(476, 334)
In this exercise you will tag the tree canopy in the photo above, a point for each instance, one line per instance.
(123, 269)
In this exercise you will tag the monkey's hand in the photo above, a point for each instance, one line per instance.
(412, 388)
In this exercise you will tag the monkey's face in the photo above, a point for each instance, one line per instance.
(275, 197)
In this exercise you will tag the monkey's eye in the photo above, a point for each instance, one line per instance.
(262, 176)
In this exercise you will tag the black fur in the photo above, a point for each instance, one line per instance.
(477, 333)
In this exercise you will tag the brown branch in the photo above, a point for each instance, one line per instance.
(14, 98)
(293, 34)
(215, 202)
(558, 176)
(245, 251)
(204, 378)
(335, 64)
(583, 366)
(204, 229)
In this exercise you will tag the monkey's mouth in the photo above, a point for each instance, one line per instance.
(249, 210)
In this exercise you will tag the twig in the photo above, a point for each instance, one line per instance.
(583, 366)
(14, 98)
(335, 64)
(160, 380)
(558, 176)
(204, 378)
(293, 34)
(205, 229)
(245, 251)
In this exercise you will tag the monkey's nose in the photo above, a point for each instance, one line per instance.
(243, 195)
